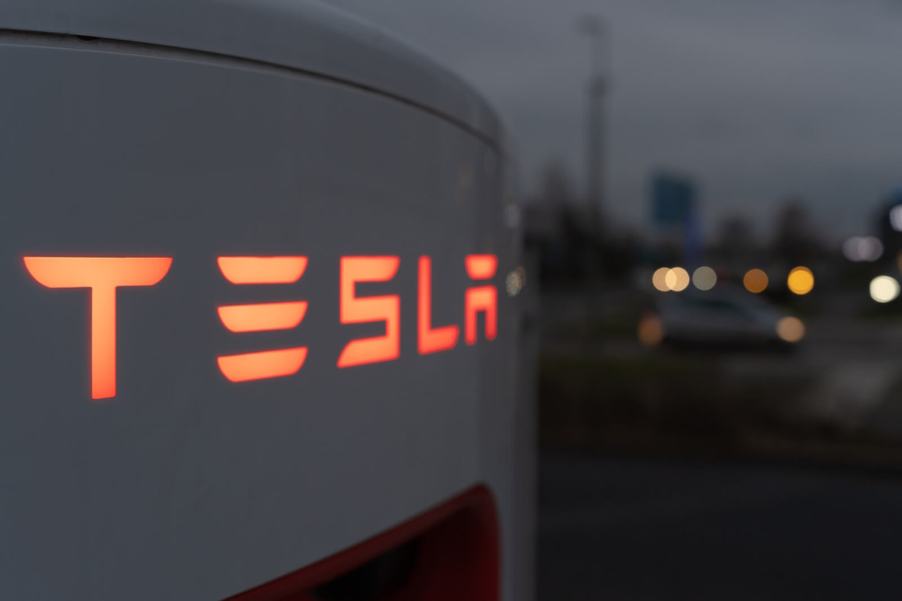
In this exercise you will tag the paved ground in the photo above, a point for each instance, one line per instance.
(645, 530)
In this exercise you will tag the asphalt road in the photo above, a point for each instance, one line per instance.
(647, 530)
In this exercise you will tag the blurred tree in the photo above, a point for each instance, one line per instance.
(556, 189)
(736, 240)
(620, 254)
(553, 228)
(794, 241)
(576, 243)
(563, 232)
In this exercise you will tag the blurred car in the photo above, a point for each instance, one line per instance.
(722, 317)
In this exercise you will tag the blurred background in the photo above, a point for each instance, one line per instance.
(712, 209)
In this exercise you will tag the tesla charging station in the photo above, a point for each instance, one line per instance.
(256, 334)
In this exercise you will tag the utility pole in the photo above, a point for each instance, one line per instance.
(595, 28)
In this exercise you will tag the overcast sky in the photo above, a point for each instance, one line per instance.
(756, 99)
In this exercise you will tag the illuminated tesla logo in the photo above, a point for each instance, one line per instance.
(104, 276)
(262, 317)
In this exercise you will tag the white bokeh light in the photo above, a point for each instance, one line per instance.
(862, 249)
(884, 289)
(895, 218)
(704, 278)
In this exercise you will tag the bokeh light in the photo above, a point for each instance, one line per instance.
(755, 281)
(515, 281)
(800, 281)
(884, 289)
(790, 329)
(862, 249)
(895, 218)
(651, 331)
(677, 279)
(704, 278)
(659, 279)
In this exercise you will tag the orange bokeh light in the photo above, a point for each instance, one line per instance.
(429, 339)
(650, 331)
(481, 298)
(262, 270)
(800, 280)
(755, 281)
(357, 310)
(790, 329)
(102, 275)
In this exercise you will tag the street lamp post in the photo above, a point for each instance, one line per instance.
(596, 29)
